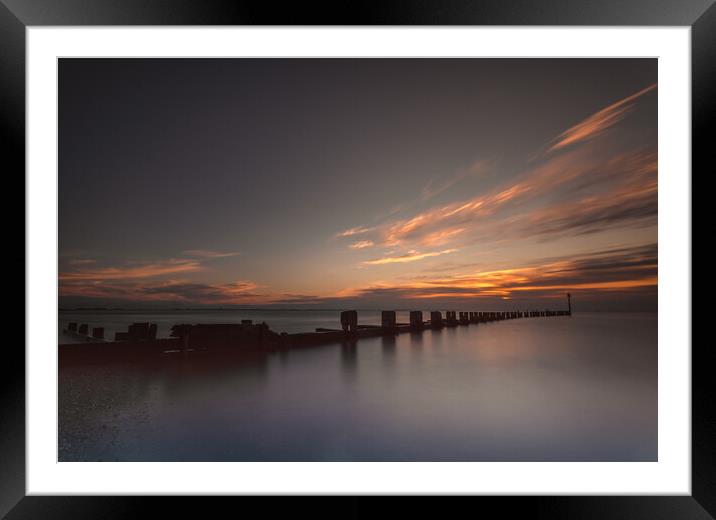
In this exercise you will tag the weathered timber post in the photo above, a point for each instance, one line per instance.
(182, 332)
(349, 321)
(263, 330)
(72, 327)
(387, 319)
(569, 304)
(98, 332)
(416, 319)
(436, 319)
(84, 328)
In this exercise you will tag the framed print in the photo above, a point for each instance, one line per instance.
(414, 252)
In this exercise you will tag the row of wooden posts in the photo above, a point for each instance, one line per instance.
(135, 331)
(83, 330)
(349, 319)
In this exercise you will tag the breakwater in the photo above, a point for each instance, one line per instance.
(221, 341)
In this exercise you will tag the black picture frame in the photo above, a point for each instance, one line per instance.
(17, 15)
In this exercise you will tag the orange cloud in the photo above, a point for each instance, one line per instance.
(440, 237)
(584, 189)
(410, 256)
(238, 292)
(575, 192)
(437, 225)
(597, 123)
(620, 269)
(352, 231)
(361, 244)
(131, 272)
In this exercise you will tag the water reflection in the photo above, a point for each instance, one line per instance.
(552, 389)
(349, 359)
(388, 344)
(435, 337)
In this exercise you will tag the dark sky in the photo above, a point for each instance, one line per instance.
(371, 181)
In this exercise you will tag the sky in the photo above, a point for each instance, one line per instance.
(368, 183)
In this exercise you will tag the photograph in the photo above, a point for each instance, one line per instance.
(357, 259)
(400, 249)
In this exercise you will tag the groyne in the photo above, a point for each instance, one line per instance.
(223, 341)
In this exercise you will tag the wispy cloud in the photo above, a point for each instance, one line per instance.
(204, 253)
(597, 123)
(129, 272)
(362, 244)
(436, 186)
(233, 292)
(581, 184)
(353, 231)
(582, 189)
(441, 184)
(572, 193)
(155, 281)
(410, 256)
(238, 292)
(616, 269)
(441, 236)
(621, 191)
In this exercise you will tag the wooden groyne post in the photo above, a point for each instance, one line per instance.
(388, 320)
(349, 321)
(436, 319)
(416, 320)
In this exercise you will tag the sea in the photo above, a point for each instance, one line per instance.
(568, 388)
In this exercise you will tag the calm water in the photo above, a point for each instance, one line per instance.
(542, 389)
